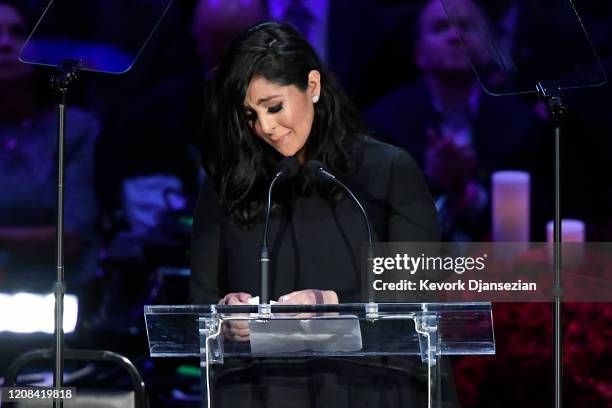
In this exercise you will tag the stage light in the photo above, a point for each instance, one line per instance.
(31, 313)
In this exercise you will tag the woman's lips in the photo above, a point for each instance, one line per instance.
(281, 139)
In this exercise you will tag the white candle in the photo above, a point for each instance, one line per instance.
(572, 255)
(510, 200)
(571, 231)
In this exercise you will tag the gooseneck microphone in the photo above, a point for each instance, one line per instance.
(287, 168)
(320, 172)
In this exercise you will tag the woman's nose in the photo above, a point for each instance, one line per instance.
(267, 125)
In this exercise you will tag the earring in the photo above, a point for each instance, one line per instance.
(315, 99)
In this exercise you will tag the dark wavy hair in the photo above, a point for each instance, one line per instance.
(239, 163)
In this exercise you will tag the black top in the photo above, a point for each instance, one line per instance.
(316, 244)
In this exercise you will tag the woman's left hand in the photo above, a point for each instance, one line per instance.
(309, 297)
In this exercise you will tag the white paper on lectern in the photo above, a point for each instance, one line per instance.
(320, 334)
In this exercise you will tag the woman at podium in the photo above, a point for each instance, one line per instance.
(272, 98)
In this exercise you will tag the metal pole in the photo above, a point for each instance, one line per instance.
(59, 288)
(557, 303)
(550, 91)
(60, 83)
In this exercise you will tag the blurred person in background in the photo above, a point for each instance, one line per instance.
(456, 132)
(28, 172)
(150, 153)
(348, 35)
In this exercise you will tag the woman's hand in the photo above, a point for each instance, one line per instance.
(239, 298)
(236, 330)
(310, 297)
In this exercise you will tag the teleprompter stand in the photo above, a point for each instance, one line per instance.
(551, 93)
(554, 55)
(54, 45)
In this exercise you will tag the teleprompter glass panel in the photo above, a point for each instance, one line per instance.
(513, 46)
(72, 30)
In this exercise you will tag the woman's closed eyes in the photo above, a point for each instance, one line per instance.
(251, 116)
(275, 108)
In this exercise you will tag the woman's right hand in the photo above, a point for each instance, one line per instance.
(236, 330)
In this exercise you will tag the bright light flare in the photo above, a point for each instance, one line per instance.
(31, 313)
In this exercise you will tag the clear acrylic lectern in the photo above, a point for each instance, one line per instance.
(428, 330)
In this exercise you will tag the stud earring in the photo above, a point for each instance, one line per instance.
(315, 99)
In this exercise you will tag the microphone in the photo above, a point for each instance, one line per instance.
(320, 172)
(287, 168)
(318, 169)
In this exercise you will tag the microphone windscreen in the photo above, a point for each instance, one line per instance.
(288, 167)
(313, 167)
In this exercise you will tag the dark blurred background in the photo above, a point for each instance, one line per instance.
(133, 166)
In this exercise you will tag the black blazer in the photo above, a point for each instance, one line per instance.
(317, 244)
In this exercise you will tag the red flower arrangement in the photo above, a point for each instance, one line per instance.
(520, 374)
